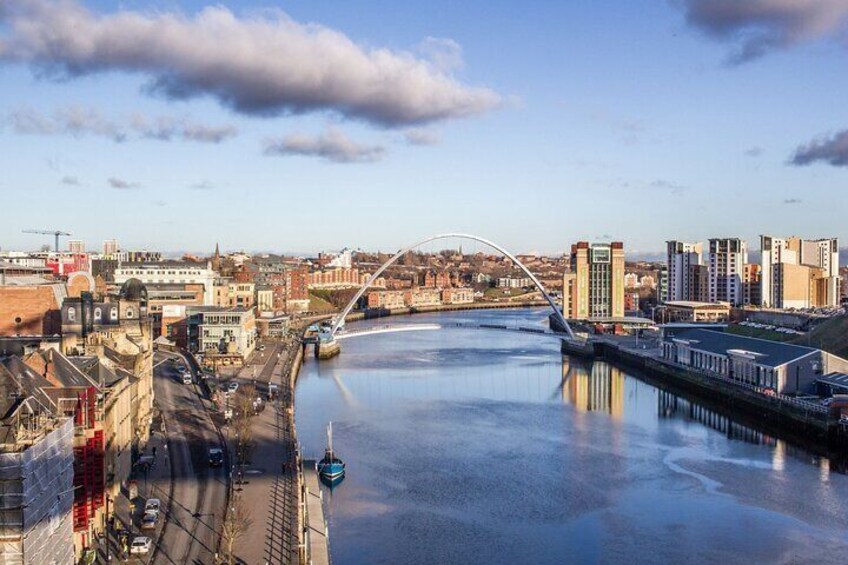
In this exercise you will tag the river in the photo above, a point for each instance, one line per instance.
(474, 446)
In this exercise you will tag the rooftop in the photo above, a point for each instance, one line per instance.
(161, 264)
(836, 380)
(773, 353)
(217, 309)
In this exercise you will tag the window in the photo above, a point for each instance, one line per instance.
(113, 314)
(98, 314)
(72, 314)
(129, 312)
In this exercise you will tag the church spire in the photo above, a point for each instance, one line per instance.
(216, 259)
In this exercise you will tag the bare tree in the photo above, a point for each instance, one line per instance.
(237, 521)
(243, 422)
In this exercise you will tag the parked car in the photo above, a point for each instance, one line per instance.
(181, 368)
(187, 378)
(261, 348)
(148, 522)
(216, 456)
(232, 387)
(152, 505)
(140, 545)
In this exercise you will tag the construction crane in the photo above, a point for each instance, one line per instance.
(54, 233)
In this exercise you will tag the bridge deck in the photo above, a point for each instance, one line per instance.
(396, 328)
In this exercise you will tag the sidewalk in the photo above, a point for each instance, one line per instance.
(269, 486)
(154, 483)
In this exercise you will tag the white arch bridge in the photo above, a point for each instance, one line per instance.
(399, 328)
(339, 321)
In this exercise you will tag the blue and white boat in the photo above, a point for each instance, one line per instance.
(331, 469)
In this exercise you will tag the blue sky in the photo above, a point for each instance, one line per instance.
(636, 121)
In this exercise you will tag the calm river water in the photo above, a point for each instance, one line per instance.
(473, 446)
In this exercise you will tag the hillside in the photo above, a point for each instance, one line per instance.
(831, 335)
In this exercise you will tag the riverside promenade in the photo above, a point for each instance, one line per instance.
(270, 484)
(315, 526)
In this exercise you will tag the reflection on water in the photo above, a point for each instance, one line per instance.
(593, 387)
(465, 446)
(671, 406)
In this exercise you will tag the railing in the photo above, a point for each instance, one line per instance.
(805, 404)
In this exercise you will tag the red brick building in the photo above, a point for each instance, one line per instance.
(31, 309)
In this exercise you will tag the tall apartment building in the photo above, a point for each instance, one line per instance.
(297, 290)
(752, 280)
(110, 248)
(687, 276)
(595, 287)
(727, 260)
(799, 273)
(76, 246)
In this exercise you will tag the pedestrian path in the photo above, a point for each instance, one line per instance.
(316, 526)
(270, 485)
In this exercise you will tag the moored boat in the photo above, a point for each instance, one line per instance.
(331, 469)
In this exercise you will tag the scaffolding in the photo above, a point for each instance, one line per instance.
(36, 492)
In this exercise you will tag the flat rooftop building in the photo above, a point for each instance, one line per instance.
(784, 368)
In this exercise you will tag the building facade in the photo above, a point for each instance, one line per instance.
(170, 274)
(727, 259)
(458, 295)
(419, 297)
(387, 299)
(222, 332)
(799, 273)
(596, 289)
(783, 368)
(37, 480)
(683, 261)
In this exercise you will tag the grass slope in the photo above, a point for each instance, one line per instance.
(831, 335)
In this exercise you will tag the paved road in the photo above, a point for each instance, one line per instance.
(261, 365)
(199, 492)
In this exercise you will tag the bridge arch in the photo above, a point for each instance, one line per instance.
(340, 319)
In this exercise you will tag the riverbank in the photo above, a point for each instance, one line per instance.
(800, 422)
(312, 542)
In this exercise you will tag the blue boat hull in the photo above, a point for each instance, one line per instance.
(331, 471)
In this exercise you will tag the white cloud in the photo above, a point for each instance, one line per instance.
(332, 145)
(267, 64)
(421, 136)
(202, 185)
(79, 120)
(121, 184)
(444, 53)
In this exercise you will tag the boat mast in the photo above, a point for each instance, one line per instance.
(330, 438)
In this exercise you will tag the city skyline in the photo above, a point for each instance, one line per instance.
(717, 126)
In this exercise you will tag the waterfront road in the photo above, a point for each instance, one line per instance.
(199, 492)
